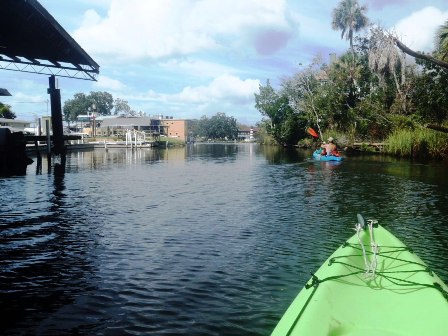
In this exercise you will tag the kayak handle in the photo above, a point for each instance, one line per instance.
(361, 221)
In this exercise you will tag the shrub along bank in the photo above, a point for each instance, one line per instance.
(420, 144)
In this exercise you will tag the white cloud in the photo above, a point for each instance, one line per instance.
(21, 97)
(155, 29)
(417, 31)
(102, 3)
(196, 67)
(226, 87)
(27, 106)
(105, 82)
(91, 18)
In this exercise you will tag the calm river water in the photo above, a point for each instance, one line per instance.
(210, 239)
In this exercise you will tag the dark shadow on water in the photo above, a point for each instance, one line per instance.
(281, 155)
(44, 263)
(9, 168)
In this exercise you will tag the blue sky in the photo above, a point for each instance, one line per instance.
(189, 58)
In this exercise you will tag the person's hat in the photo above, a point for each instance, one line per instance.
(330, 139)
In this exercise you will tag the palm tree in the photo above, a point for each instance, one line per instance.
(442, 41)
(349, 17)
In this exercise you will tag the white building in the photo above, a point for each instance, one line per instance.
(14, 125)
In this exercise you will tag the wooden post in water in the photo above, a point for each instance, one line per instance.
(47, 132)
(36, 147)
(39, 128)
(56, 117)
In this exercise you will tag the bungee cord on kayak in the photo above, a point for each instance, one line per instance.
(372, 267)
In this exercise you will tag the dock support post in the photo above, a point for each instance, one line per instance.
(47, 132)
(56, 116)
(39, 128)
(36, 147)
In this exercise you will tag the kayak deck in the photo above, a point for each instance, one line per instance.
(403, 297)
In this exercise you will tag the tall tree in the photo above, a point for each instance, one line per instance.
(440, 57)
(442, 41)
(104, 102)
(301, 91)
(98, 102)
(222, 126)
(420, 55)
(384, 57)
(121, 106)
(219, 126)
(285, 126)
(349, 17)
(76, 106)
(430, 93)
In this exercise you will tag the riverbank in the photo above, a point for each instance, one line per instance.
(419, 144)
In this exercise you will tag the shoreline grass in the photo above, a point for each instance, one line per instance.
(420, 144)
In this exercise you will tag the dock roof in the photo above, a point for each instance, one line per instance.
(31, 40)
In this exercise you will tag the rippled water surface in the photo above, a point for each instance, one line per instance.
(204, 240)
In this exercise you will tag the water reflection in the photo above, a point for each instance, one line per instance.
(278, 155)
(44, 255)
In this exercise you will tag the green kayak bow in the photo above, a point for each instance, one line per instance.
(372, 285)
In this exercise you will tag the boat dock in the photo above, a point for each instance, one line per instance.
(38, 144)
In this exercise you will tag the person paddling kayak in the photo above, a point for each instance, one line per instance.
(329, 148)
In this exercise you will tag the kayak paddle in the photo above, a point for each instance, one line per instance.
(312, 132)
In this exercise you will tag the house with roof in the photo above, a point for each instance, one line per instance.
(116, 126)
(14, 125)
(248, 134)
(119, 125)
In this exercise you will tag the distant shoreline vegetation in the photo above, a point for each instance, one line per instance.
(372, 93)
(419, 144)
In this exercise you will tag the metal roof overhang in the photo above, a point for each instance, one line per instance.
(4, 92)
(31, 40)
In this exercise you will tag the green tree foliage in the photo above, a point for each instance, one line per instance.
(193, 128)
(223, 127)
(324, 94)
(6, 112)
(99, 102)
(369, 92)
(102, 102)
(302, 92)
(201, 127)
(429, 93)
(218, 127)
(121, 106)
(266, 103)
(283, 124)
(76, 106)
(442, 41)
